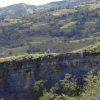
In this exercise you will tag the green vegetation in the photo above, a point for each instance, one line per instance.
(89, 91)
(54, 27)
(62, 11)
(25, 56)
(92, 88)
(68, 26)
(67, 86)
(27, 32)
(92, 48)
(41, 44)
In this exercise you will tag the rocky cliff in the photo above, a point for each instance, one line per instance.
(17, 77)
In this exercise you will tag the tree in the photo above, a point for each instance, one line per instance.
(67, 86)
(32, 49)
(39, 87)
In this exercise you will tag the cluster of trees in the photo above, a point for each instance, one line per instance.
(32, 49)
(70, 89)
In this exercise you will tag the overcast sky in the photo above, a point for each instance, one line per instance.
(4, 3)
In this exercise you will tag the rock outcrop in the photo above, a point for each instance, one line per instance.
(17, 77)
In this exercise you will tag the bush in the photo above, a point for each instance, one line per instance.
(67, 86)
(39, 87)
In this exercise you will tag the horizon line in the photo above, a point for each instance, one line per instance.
(30, 4)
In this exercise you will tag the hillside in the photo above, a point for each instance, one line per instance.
(91, 48)
(26, 10)
(26, 26)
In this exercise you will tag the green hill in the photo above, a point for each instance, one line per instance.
(21, 24)
(90, 48)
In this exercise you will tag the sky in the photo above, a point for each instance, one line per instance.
(4, 3)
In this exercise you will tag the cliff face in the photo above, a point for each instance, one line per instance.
(17, 77)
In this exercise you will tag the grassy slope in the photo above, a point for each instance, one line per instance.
(91, 48)
(16, 34)
(25, 56)
(57, 45)
(62, 11)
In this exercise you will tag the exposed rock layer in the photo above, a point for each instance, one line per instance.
(17, 77)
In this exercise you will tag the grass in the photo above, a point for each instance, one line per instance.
(62, 11)
(91, 6)
(91, 48)
(94, 5)
(72, 10)
(38, 25)
(68, 25)
(56, 44)
(25, 56)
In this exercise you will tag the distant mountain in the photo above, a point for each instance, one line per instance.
(25, 9)
(17, 10)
